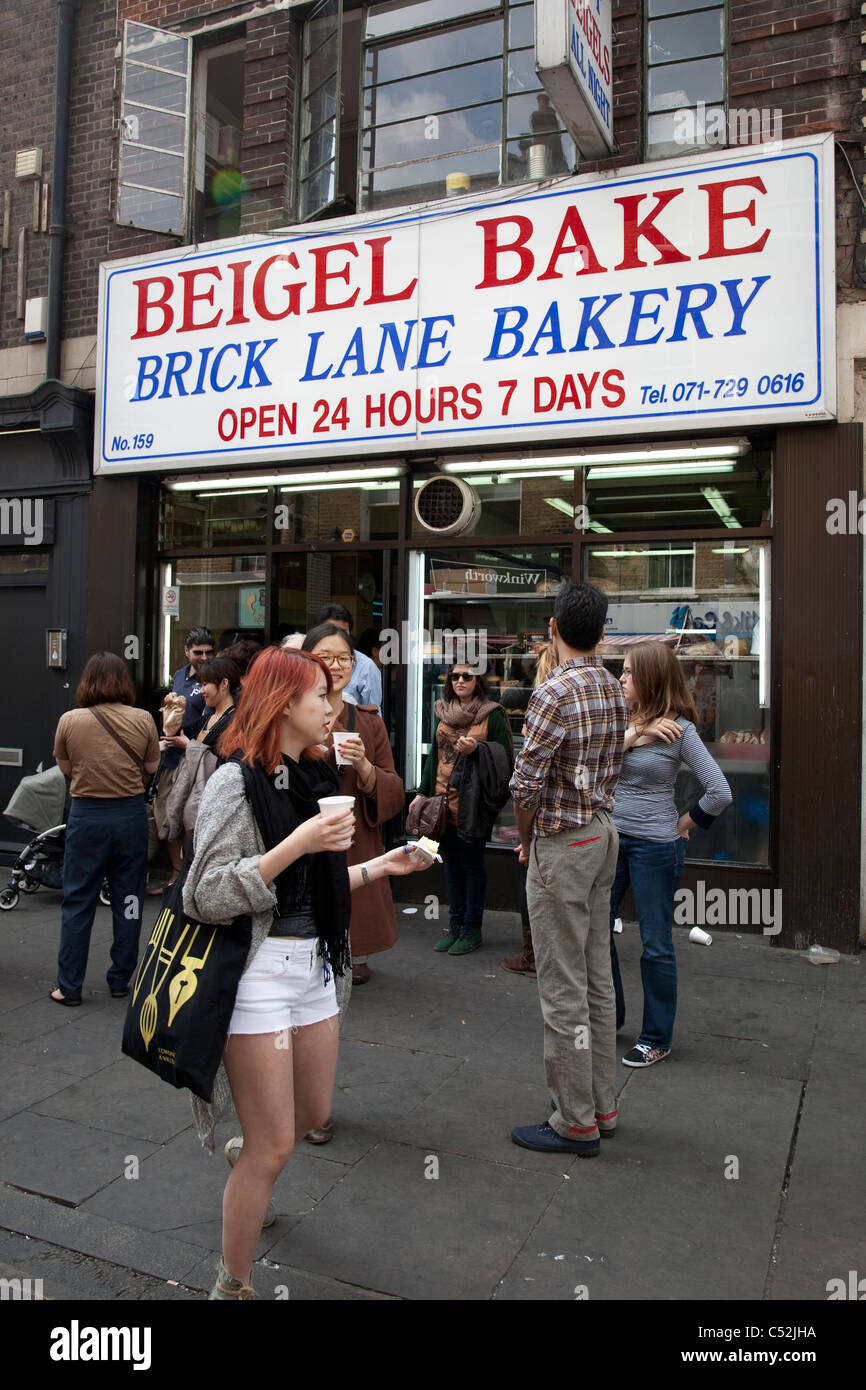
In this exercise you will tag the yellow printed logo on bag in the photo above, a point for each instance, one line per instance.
(158, 962)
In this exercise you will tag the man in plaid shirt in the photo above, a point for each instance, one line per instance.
(563, 787)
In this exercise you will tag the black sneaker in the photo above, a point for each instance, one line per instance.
(642, 1055)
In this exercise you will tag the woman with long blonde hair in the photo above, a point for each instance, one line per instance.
(661, 737)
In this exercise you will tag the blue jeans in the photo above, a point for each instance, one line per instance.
(106, 837)
(466, 879)
(653, 867)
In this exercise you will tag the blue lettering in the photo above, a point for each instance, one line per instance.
(254, 363)
(226, 347)
(553, 333)
(737, 306)
(309, 374)
(354, 353)
(694, 312)
(494, 355)
(400, 350)
(590, 320)
(174, 372)
(144, 375)
(637, 314)
(429, 337)
(204, 354)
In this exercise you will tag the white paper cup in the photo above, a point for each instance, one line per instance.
(702, 937)
(329, 804)
(339, 740)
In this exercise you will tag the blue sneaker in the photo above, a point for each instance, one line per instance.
(545, 1139)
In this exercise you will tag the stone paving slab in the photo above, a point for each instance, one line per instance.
(281, 1282)
(60, 1159)
(123, 1098)
(72, 1277)
(806, 1263)
(142, 1251)
(24, 1085)
(387, 1227)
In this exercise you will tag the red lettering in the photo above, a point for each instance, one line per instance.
(540, 404)
(294, 291)
(572, 225)
(404, 400)
(191, 298)
(633, 230)
(227, 425)
(447, 401)
(248, 419)
(145, 304)
(238, 270)
(266, 417)
(471, 397)
(618, 393)
(568, 394)
(285, 421)
(493, 250)
(377, 274)
(588, 386)
(718, 217)
(320, 255)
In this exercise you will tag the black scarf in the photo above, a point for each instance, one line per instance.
(280, 810)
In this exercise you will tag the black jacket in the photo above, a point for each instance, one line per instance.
(481, 780)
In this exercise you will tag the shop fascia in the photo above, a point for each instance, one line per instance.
(672, 296)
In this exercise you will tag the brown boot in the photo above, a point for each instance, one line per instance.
(523, 964)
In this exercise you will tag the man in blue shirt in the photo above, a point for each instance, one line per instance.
(365, 687)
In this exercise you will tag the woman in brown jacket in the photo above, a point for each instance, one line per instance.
(378, 790)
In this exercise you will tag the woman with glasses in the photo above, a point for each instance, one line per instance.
(465, 717)
(368, 775)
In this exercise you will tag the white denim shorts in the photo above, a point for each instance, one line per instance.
(283, 987)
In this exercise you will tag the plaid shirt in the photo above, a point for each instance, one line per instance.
(571, 757)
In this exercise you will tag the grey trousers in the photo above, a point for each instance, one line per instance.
(568, 892)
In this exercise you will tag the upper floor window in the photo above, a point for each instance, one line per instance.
(180, 137)
(449, 103)
(685, 74)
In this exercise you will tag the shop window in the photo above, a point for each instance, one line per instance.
(223, 593)
(685, 48)
(208, 520)
(337, 512)
(670, 567)
(154, 129)
(719, 628)
(498, 602)
(156, 156)
(731, 493)
(511, 503)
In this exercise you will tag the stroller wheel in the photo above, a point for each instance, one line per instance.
(104, 896)
(8, 899)
(29, 885)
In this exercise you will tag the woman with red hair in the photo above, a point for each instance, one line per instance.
(263, 847)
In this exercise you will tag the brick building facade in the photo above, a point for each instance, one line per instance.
(783, 79)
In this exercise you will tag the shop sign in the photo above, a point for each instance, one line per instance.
(489, 579)
(573, 47)
(685, 296)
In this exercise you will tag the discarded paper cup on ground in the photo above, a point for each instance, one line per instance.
(339, 740)
(702, 937)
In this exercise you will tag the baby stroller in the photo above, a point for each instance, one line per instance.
(39, 804)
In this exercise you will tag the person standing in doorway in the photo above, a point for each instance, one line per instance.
(466, 716)
(106, 748)
(563, 788)
(198, 648)
(365, 686)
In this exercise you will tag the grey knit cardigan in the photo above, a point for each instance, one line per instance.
(224, 882)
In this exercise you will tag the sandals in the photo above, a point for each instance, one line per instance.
(321, 1136)
(59, 998)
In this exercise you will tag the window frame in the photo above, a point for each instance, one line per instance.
(723, 105)
(185, 157)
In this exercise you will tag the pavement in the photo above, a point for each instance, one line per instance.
(734, 1175)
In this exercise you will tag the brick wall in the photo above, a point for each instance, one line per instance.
(803, 61)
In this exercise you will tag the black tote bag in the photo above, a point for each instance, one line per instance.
(183, 994)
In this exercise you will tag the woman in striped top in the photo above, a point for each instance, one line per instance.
(660, 738)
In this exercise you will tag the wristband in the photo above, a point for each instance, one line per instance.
(365, 877)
